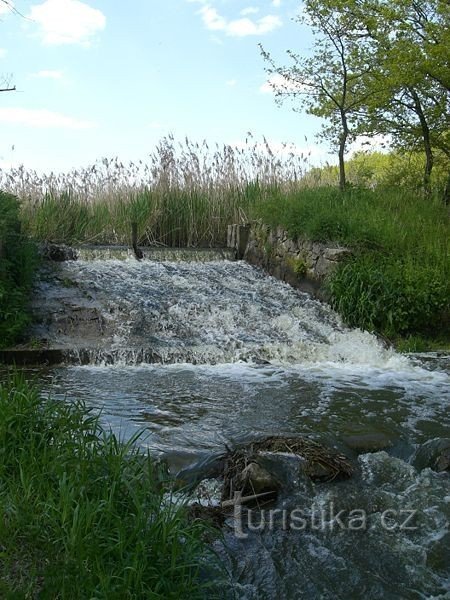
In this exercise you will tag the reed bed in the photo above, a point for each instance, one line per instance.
(184, 195)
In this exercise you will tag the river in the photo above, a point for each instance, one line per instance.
(205, 354)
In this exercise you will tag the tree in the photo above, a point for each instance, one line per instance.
(411, 42)
(378, 67)
(331, 82)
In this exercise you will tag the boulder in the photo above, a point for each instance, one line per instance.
(257, 480)
(434, 454)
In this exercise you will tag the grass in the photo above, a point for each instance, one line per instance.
(83, 514)
(185, 195)
(397, 282)
(18, 262)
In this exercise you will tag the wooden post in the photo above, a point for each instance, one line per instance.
(134, 240)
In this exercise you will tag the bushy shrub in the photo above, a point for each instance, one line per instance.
(17, 265)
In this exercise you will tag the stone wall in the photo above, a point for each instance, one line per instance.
(301, 263)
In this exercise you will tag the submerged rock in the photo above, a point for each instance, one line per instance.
(368, 442)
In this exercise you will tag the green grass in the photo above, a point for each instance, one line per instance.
(83, 514)
(397, 282)
(18, 261)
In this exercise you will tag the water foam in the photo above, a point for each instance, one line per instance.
(216, 313)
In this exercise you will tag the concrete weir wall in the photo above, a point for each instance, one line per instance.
(301, 263)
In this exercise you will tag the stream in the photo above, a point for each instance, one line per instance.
(205, 353)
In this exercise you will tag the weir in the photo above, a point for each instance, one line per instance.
(116, 310)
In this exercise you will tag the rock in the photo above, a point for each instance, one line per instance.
(368, 442)
(257, 480)
(434, 454)
(442, 461)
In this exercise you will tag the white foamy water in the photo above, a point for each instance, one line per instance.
(211, 313)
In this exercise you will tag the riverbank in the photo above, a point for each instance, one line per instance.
(395, 281)
(84, 514)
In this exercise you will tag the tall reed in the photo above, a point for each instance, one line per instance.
(184, 195)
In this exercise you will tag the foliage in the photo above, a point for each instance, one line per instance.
(331, 82)
(17, 266)
(398, 280)
(85, 515)
(383, 170)
(390, 295)
(378, 68)
(411, 43)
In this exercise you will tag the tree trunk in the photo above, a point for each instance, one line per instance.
(342, 143)
(426, 142)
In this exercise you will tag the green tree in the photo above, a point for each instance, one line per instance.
(330, 83)
(411, 42)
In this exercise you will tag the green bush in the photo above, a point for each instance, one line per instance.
(390, 296)
(85, 515)
(17, 265)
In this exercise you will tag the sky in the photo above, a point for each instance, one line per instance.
(106, 78)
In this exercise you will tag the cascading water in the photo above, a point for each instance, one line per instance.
(203, 355)
(202, 313)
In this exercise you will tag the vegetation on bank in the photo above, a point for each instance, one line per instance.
(185, 195)
(17, 266)
(85, 515)
(398, 280)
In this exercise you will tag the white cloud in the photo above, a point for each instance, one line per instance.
(231, 82)
(276, 3)
(277, 81)
(2, 52)
(67, 21)
(42, 118)
(6, 7)
(238, 27)
(49, 74)
(250, 10)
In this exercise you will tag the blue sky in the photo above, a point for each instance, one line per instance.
(110, 78)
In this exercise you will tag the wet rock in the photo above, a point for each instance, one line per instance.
(248, 470)
(368, 442)
(434, 454)
(442, 462)
(255, 479)
(58, 252)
